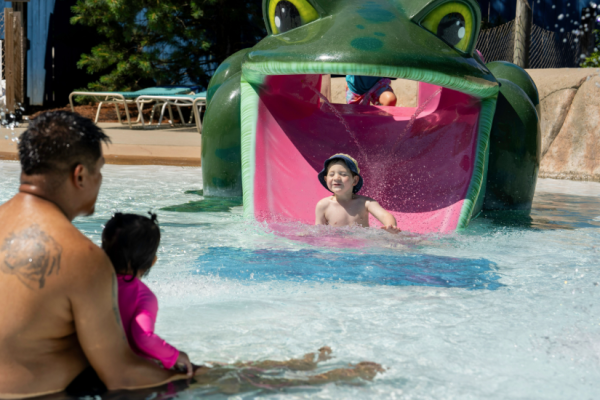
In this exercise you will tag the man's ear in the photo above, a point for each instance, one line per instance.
(78, 176)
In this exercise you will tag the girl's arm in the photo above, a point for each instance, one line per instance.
(146, 341)
(387, 219)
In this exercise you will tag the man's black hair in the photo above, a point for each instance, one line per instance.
(131, 242)
(57, 141)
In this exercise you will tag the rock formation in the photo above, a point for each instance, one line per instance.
(570, 110)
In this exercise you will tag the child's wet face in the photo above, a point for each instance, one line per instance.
(339, 178)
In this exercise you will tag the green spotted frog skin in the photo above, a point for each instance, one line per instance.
(430, 41)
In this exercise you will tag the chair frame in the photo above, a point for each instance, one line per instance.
(110, 98)
(178, 101)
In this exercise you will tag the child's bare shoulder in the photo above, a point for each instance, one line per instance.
(363, 199)
(367, 202)
(323, 203)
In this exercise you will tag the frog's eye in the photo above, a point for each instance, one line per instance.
(453, 22)
(285, 15)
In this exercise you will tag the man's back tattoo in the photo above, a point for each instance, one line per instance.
(31, 255)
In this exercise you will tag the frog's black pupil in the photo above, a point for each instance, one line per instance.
(287, 16)
(452, 28)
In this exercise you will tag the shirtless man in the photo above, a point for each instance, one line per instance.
(341, 176)
(58, 291)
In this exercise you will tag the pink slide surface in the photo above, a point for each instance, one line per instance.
(419, 168)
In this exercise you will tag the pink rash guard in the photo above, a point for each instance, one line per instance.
(138, 307)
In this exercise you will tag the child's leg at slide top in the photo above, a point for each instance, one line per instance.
(388, 98)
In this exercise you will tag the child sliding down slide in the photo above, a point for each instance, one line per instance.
(341, 176)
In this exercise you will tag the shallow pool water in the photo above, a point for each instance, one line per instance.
(508, 309)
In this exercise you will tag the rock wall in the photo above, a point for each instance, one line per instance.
(570, 123)
(570, 119)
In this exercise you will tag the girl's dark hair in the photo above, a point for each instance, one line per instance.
(131, 242)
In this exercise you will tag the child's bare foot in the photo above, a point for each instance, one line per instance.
(324, 354)
(365, 370)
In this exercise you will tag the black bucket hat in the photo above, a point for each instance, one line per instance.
(350, 163)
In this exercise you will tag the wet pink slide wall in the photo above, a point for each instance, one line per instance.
(417, 168)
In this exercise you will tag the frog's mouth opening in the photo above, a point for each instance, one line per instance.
(425, 164)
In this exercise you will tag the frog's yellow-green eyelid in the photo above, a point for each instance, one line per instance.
(306, 10)
(433, 19)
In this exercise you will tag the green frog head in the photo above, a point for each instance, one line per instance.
(429, 41)
(270, 126)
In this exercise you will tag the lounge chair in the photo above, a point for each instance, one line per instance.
(197, 101)
(126, 98)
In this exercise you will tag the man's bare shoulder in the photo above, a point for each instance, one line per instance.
(87, 260)
(41, 248)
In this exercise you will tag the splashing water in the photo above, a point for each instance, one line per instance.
(412, 120)
(343, 121)
(12, 120)
(393, 148)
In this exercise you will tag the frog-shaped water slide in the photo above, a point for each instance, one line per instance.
(472, 142)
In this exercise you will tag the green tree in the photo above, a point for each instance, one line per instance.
(593, 61)
(165, 42)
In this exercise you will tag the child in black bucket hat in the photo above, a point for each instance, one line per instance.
(341, 176)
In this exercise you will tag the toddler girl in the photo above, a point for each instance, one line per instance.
(131, 242)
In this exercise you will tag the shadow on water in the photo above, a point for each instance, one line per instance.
(208, 204)
(550, 211)
(340, 268)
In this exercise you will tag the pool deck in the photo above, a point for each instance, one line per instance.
(163, 146)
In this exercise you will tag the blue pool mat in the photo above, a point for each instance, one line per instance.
(340, 268)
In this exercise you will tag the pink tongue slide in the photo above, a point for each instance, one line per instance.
(416, 162)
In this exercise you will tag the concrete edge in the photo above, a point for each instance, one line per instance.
(131, 160)
(570, 176)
